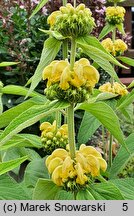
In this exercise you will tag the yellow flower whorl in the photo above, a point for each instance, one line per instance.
(115, 15)
(52, 137)
(116, 48)
(68, 172)
(70, 21)
(75, 85)
(116, 88)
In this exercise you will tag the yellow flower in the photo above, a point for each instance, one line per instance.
(52, 18)
(115, 11)
(88, 161)
(115, 15)
(89, 150)
(93, 165)
(108, 45)
(47, 127)
(120, 46)
(47, 73)
(53, 137)
(116, 88)
(82, 74)
(107, 87)
(57, 176)
(81, 177)
(61, 153)
(115, 48)
(91, 75)
(58, 69)
(53, 71)
(94, 160)
(67, 167)
(65, 79)
(54, 163)
(63, 129)
(120, 89)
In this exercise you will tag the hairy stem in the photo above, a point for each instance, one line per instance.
(74, 3)
(71, 132)
(64, 2)
(58, 119)
(103, 141)
(110, 150)
(73, 51)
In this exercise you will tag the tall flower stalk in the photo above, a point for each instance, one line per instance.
(70, 111)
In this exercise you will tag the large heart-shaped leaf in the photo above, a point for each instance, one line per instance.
(45, 190)
(84, 195)
(11, 190)
(126, 187)
(106, 191)
(35, 169)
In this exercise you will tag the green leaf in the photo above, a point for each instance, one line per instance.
(107, 117)
(126, 100)
(10, 165)
(107, 28)
(106, 191)
(105, 96)
(120, 27)
(126, 187)
(128, 112)
(11, 190)
(64, 195)
(95, 46)
(5, 64)
(54, 34)
(29, 117)
(122, 157)
(45, 190)
(23, 140)
(131, 85)
(84, 195)
(87, 128)
(35, 169)
(49, 52)
(12, 113)
(1, 104)
(38, 7)
(126, 60)
(18, 90)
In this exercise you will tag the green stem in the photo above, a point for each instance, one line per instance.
(71, 132)
(74, 3)
(113, 35)
(103, 141)
(110, 150)
(64, 2)
(58, 120)
(65, 49)
(75, 194)
(73, 51)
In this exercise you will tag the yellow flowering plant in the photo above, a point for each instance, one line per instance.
(61, 161)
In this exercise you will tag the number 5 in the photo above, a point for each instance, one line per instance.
(125, 206)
